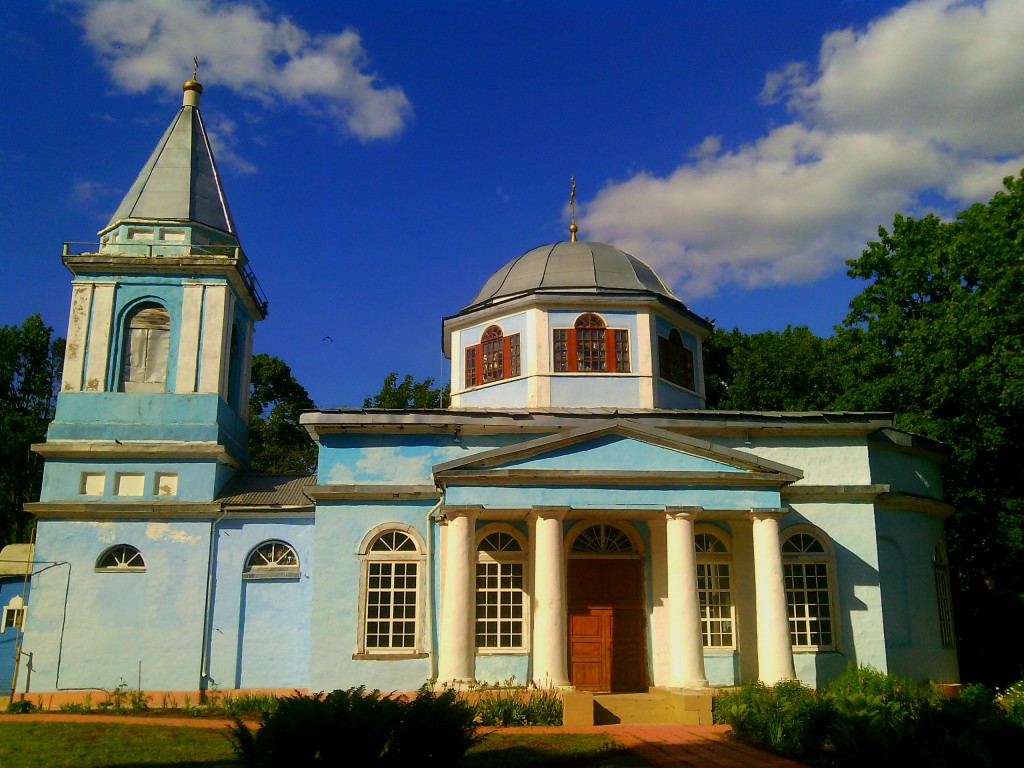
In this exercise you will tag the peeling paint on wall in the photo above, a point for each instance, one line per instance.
(157, 531)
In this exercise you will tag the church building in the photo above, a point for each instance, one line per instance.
(576, 518)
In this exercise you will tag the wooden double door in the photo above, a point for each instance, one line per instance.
(607, 621)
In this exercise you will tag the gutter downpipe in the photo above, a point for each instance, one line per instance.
(430, 588)
(204, 670)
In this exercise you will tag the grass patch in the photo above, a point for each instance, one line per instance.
(583, 750)
(103, 745)
(98, 745)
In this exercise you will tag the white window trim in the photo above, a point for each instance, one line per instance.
(507, 557)
(14, 608)
(363, 653)
(829, 559)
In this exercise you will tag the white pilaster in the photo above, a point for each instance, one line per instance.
(550, 623)
(78, 335)
(456, 654)
(686, 663)
(214, 305)
(188, 338)
(243, 399)
(99, 352)
(774, 651)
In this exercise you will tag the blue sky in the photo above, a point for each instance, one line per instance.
(382, 159)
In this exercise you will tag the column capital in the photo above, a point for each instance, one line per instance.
(556, 512)
(768, 513)
(682, 513)
(462, 510)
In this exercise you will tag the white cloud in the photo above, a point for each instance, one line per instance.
(245, 47)
(927, 98)
(89, 194)
(221, 130)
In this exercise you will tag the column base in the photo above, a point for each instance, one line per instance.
(687, 685)
(458, 684)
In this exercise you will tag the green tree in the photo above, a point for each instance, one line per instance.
(409, 394)
(770, 371)
(30, 364)
(277, 442)
(938, 338)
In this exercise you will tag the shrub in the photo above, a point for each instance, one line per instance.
(22, 707)
(788, 718)
(970, 729)
(1012, 702)
(354, 727)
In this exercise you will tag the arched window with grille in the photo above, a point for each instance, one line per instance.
(272, 560)
(590, 346)
(714, 589)
(147, 338)
(122, 558)
(495, 358)
(390, 606)
(807, 570)
(603, 539)
(676, 360)
(501, 589)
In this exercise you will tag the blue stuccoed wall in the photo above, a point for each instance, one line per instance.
(614, 452)
(197, 480)
(115, 620)
(340, 528)
(260, 629)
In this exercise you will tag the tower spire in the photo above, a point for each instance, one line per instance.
(573, 229)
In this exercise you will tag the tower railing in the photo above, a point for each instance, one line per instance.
(150, 250)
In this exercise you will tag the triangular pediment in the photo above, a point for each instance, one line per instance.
(619, 451)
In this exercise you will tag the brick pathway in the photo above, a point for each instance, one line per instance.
(678, 746)
(681, 746)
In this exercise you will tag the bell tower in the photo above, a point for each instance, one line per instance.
(160, 333)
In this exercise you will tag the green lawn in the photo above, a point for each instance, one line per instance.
(106, 745)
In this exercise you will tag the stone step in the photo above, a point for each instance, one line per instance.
(657, 706)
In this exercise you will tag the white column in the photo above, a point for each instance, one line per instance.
(215, 299)
(550, 626)
(686, 663)
(774, 651)
(456, 654)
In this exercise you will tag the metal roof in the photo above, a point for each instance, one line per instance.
(179, 182)
(568, 267)
(265, 490)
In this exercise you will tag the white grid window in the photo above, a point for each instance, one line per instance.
(500, 592)
(945, 599)
(714, 590)
(392, 593)
(808, 592)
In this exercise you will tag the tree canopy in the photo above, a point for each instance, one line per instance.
(409, 394)
(938, 338)
(277, 442)
(31, 360)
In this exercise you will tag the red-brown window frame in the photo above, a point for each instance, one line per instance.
(510, 357)
(591, 321)
(676, 361)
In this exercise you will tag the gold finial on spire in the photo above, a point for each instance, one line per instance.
(572, 207)
(192, 88)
